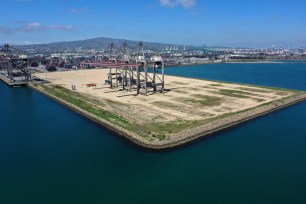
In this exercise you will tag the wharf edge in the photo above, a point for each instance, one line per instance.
(13, 84)
(186, 136)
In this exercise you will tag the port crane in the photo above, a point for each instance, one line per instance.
(129, 69)
(15, 62)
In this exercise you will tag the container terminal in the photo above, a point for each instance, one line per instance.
(128, 93)
(128, 67)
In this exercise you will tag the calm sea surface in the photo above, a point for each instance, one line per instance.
(49, 154)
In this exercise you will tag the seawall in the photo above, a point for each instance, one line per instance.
(188, 135)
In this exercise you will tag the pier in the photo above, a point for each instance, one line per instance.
(14, 66)
(16, 82)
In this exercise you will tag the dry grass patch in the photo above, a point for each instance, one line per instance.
(201, 100)
(281, 93)
(194, 89)
(232, 93)
(179, 83)
(168, 105)
(258, 100)
(255, 90)
(180, 91)
(215, 85)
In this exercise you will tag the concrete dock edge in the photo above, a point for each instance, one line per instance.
(189, 135)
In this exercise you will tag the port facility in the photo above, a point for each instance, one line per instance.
(188, 109)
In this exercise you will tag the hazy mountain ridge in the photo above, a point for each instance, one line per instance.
(94, 43)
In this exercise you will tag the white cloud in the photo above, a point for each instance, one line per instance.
(21, 42)
(63, 27)
(174, 3)
(78, 10)
(35, 27)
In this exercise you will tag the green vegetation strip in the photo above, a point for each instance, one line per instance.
(207, 100)
(79, 101)
(234, 93)
(93, 106)
(149, 130)
(255, 90)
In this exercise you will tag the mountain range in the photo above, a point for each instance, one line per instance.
(94, 43)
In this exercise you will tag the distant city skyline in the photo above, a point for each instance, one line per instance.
(185, 22)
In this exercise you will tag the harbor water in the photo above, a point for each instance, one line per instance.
(50, 154)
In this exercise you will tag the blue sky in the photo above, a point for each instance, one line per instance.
(247, 23)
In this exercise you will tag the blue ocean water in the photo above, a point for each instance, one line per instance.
(284, 75)
(49, 154)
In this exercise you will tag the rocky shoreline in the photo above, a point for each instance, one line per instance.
(188, 135)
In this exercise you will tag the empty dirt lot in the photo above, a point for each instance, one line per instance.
(186, 103)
